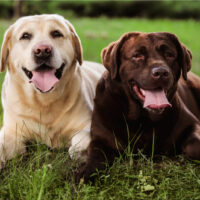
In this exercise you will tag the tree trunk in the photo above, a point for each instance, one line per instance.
(18, 8)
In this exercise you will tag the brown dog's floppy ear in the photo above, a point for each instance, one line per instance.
(109, 58)
(184, 55)
(187, 61)
(5, 49)
(77, 43)
(111, 54)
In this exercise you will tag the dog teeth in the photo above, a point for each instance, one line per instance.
(155, 111)
(142, 91)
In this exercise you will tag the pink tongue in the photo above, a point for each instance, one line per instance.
(156, 99)
(44, 80)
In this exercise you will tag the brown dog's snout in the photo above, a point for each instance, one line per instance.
(42, 52)
(160, 73)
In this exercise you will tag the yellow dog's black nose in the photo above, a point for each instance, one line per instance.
(43, 51)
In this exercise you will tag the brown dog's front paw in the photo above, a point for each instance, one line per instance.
(192, 149)
(79, 177)
(85, 175)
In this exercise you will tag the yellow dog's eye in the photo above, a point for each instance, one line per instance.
(26, 36)
(56, 34)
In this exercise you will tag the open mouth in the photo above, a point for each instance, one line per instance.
(153, 100)
(44, 77)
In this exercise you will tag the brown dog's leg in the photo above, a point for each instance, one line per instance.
(191, 148)
(99, 156)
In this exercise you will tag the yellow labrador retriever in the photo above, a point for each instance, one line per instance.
(48, 90)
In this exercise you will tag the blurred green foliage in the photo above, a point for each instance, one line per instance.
(94, 8)
(6, 8)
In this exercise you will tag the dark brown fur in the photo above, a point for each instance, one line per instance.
(117, 107)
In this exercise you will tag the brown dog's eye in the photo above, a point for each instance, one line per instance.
(168, 54)
(56, 34)
(138, 56)
(26, 36)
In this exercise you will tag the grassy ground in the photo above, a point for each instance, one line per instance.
(44, 174)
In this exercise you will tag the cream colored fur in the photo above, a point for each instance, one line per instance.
(59, 117)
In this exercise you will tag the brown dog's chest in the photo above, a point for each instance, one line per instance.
(147, 136)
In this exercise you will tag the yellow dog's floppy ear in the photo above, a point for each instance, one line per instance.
(77, 43)
(5, 49)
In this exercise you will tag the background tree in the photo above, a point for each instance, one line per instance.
(18, 4)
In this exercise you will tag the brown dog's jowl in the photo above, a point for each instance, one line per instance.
(148, 88)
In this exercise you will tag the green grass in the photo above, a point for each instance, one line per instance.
(43, 174)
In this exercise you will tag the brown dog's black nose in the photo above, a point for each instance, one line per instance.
(159, 72)
(42, 51)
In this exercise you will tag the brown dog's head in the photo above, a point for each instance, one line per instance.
(149, 65)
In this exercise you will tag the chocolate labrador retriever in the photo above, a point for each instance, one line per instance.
(146, 97)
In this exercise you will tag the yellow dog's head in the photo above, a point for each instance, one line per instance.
(39, 49)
